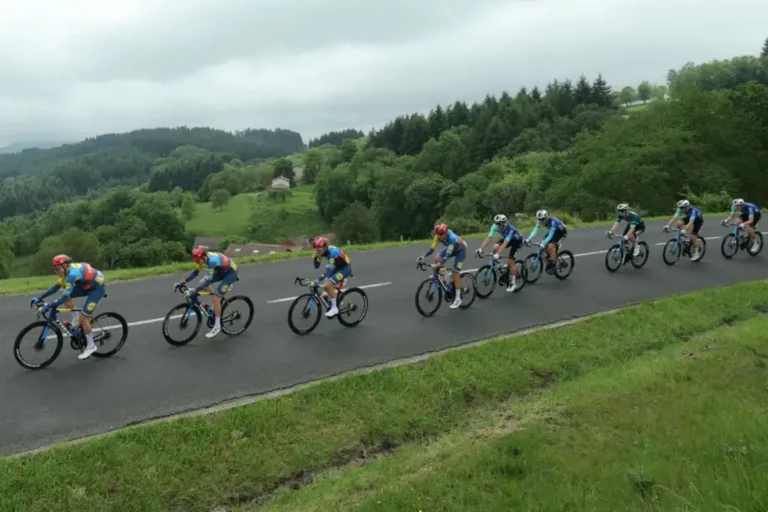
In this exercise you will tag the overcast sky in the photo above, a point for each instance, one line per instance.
(76, 68)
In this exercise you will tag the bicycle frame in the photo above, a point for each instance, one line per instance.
(316, 296)
(53, 319)
(205, 309)
(541, 254)
(436, 281)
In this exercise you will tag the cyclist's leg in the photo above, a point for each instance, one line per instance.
(77, 293)
(751, 227)
(225, 283)
(95, 295)
(331, 283)
(458, 264)
(695, 234)
(514, 246)
(552, 245)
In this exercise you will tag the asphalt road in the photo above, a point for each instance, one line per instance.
(150, 378)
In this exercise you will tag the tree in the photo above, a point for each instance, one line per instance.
(764, 53)
(220, 198)
(659, 92)
(188, 207)
(644, 91)
(356, 224)
(601, 92)
(78, 244)
(283, 167)
(627, 95)
(313, 162)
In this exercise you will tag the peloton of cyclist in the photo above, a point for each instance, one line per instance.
(339, 268)
(455, 247)
(688, 217)
(78, 280)
(557, 231)
(222, 270)
(635, 226)
(510, 237)
(749, 213)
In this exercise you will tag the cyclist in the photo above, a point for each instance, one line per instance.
(455, 247)
(635, 226)
(557, 231)
(688, 217)
(222, 270)
(510, 237)
(78, 280)
(749, 213)
(339, 268)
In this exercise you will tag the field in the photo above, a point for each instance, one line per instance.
(277, 220)
(668, 415)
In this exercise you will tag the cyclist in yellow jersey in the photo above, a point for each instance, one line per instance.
(455, 247)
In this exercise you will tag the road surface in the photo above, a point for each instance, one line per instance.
(150, 378)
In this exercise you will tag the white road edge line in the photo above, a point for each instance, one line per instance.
(365, 286)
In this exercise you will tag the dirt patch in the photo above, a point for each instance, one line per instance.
(548, 378)
(729, 321)
(762, 308)
(685, 336)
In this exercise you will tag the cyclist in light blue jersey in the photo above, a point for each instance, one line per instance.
(510, 237)
(687, 218)
(749, 213)
(557, 231)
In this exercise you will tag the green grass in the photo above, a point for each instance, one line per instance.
(659, 402)
(637, 108)
(279, 221)
(34, 284)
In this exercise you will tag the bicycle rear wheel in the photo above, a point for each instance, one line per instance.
(758, 235)
(121, 333)
(189, 320)
(468, 287)
(352, 301)
(230, 314)
(42, 339)
(642, 258)
(564, 265)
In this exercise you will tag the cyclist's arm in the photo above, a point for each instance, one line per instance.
(535, 230)
(316, 261)
(206, 280)
(192, 274)
(690, 222)
(616, 224)
(488, 238)
(68, 285)
(50, 291)
(675, 216)
(548, 238)
(432, 247)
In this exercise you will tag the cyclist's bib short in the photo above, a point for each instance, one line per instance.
(225, 280)
(696, 224)
(558, 235)
(513, 245)
(94, 295)
(340, 274)
(457, 255)
(639, 229)
(745, 218)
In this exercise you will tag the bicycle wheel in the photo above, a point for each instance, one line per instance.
(468, 287)
(310, 305)
(485, 277)
(564, 266)
(230, 314)
(751, 244)
(703, 247)
(535, 267)
(350, 302)
(432, 294)
(189, 317)
(107, 334)
(729, 246)
(613, 258)
(641, 259)
(42, 339)
(521, 276)
(671, 252)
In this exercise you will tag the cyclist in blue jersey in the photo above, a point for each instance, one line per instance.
(222, 270)
(510, 237)
(635, 226)
(557, 231)
(749, 213)
(339, 268)
(456, 248)
(78, 280)
(687, 218)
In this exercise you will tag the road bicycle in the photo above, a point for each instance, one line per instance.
(348, 301)
(739, 240)
(441, 285)
(193, 311)
(536, 262)
(497, 271)
(52, 327)
(681, 245)
(621, 253)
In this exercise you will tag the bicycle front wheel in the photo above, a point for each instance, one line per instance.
(235, 309)
(613, 258)
(729, 246)
(671, 252)
(535, 267)
(189, 320)
(106, 332)
(42, 333)
(432, 295)
(485, 277)
(308, 308)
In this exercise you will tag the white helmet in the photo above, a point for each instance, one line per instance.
(738, 202)
(622, 207)
(499, 219)
(542, 214)
(683, 203)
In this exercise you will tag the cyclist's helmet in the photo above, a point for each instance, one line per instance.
(60, 259)
(542, 214)
(683, 203)
(500, 219)
(320, 243)
(441, 229)
(738, 202)
(622, 207)
(199, 251)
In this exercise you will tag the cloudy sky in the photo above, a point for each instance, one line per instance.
(76, 68)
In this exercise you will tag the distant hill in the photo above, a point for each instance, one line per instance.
(20, 146)
(247, 144)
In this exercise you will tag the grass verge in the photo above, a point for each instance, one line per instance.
(258, 455)
(39, 283)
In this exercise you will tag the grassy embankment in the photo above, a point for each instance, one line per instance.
(661, 407)
(305, 214)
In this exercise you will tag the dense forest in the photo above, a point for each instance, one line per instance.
(573, 148)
